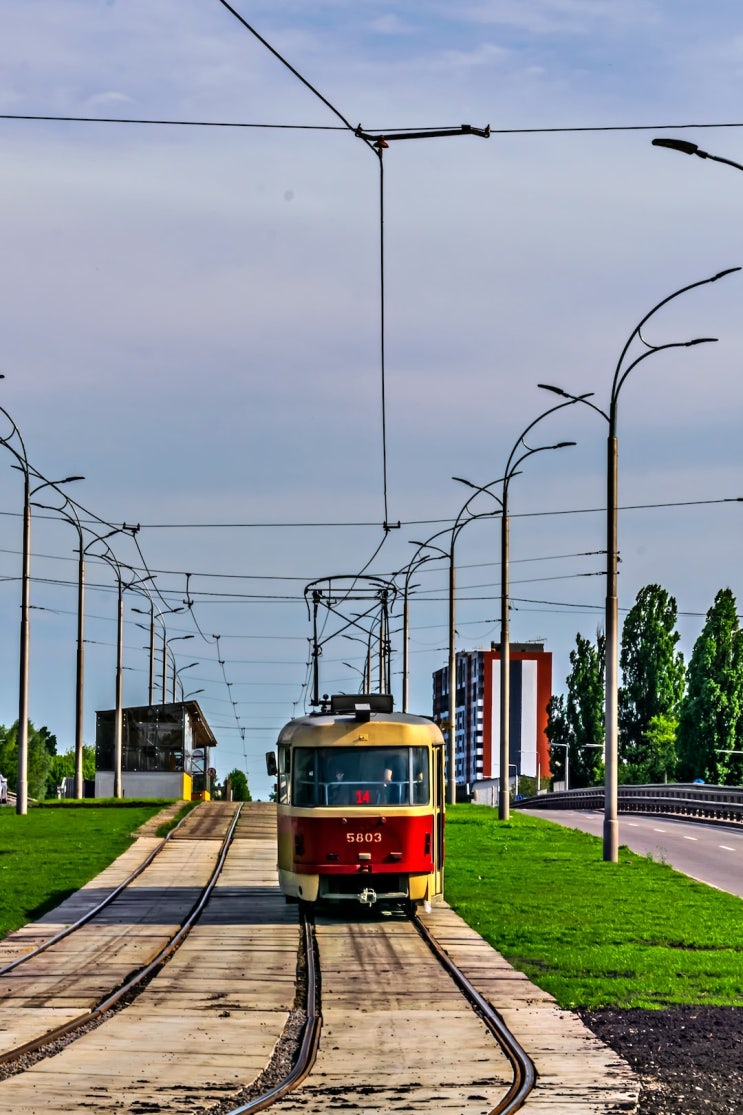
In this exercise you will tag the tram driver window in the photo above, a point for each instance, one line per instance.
(283, 773)
(304, 790)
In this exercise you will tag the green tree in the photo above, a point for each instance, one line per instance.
(239, 783)
(8, 756)
(710, 727)
(576, 721)
(46, 737)
(63, 766)
(661, 743)
(653, 685)
(41, 747)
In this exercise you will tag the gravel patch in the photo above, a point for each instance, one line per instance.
(689, 1059)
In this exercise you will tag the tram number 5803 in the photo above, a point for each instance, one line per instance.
(363, 838)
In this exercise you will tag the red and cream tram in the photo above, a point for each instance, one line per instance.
(360, 804)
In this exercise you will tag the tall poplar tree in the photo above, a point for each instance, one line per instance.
(576, 721)
(710, 725)
(653, 685)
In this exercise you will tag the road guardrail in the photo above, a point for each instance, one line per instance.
(719, 803)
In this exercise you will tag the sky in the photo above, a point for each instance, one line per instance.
(192, 319)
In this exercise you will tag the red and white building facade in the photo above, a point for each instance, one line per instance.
(477, 732)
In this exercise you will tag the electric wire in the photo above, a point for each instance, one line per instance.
(576, 129)
(284, 62)
(377, 149)
(352, 524)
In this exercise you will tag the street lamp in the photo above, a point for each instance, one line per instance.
(361, 673)
(412, 566)
(23, 466)
(567, 761)
(512, 469)
(177, 678)
(611, 729)
(166, 649)
(68, 511)
(465, 516)
(117, 566)
(153, 616)
(687, 148)
(22, 787)
(366, 673)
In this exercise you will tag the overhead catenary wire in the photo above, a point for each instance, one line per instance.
(575, 129)
(353, 524)
(377, 148)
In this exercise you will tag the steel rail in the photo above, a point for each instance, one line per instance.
(135, 978)
(309, 1045)
(524, 1070)
(95, 909)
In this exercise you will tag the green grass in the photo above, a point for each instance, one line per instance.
(593, 934)
(163, 829)
(50, 852)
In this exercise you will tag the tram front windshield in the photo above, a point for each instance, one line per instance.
(361, 776)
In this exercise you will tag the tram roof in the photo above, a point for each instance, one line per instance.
(354, 710)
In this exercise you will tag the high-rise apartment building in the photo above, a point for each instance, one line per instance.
(477, 731)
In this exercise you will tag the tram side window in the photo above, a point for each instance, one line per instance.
(420, 776)
(304, 789)
(284, 772)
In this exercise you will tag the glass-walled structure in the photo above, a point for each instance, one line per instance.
(165, 751)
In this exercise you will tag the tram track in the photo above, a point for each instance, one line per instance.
(48, 1042)
(524, 1070)
(385, 1086)
(94, 910)
(380, 1025)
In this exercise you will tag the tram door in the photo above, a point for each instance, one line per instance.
(438, 818)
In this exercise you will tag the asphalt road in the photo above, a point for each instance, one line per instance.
(711, 853)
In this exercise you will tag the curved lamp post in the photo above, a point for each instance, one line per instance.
(465, 516)
(366, 673)
(177, 678)
(567, 761)
(28, 492)
(111, 560)
(28, 471)
(511, 470)
(68, 511)
(361, 673)
(167, 649)
(159, 616)
(622, 370)
(413, 565)
(687, 148)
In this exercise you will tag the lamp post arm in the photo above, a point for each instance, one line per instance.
(664, 302)
(413, 565)
(429, 544)
(687, 148)
(515, 471)
(510, 463)
(651, 351)
(718, 159)
(575, 398)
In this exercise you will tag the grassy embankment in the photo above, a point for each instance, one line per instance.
(50, 852)
(632, 934)
(591, 933)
